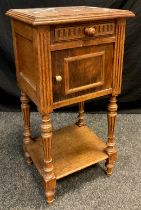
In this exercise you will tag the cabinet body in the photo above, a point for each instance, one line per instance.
(89, 66)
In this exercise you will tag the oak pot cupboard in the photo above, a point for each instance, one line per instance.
(67, 55)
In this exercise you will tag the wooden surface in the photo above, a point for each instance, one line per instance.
(66, 14)
(26, 119)
(92, 63)
(73, 147)
(111, 151)
(81, 31)
(72, 55)
(81, 120)
(41, 57)
(47, 164)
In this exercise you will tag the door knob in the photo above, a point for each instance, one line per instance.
(58, 78)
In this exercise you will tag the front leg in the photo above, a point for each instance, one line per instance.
(112, 113)
(49, 177)
(26, 118)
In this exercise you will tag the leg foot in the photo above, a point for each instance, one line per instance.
(110, 162)
(50, 187)
(28, 158)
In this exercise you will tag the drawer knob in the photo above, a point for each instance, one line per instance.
(90, 31)
(58, 78)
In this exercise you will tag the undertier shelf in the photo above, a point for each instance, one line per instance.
(73, 147)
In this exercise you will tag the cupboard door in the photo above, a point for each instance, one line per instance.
(81, 71)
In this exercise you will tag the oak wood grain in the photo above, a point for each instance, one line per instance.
(68, 55)
(94, 63)
(80, 148)
(49, 176)
(81, 121)
(111, 151)
(26, 119)
(77, 31)
(42, 16)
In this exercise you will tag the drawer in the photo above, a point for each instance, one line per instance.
(83, 31)
(81, 70)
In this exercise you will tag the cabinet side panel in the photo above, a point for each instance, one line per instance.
(25, 68)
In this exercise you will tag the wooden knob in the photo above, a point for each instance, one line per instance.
(90, 31)
(58, 78)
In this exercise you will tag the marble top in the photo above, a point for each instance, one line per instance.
(38, 16)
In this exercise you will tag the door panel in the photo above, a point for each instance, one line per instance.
(84, 65)
(81, 71)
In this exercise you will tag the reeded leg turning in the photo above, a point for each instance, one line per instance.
(26, 118)
(81, 121)
(49, 177)
(112, 113)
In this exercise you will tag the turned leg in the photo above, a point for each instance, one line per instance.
(26, 118)
(81, 121)
(49, 177)
(112, 113)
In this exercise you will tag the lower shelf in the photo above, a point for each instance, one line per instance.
(73, 147)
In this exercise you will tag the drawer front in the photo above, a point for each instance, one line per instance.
(81, 71)
(83, 31)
